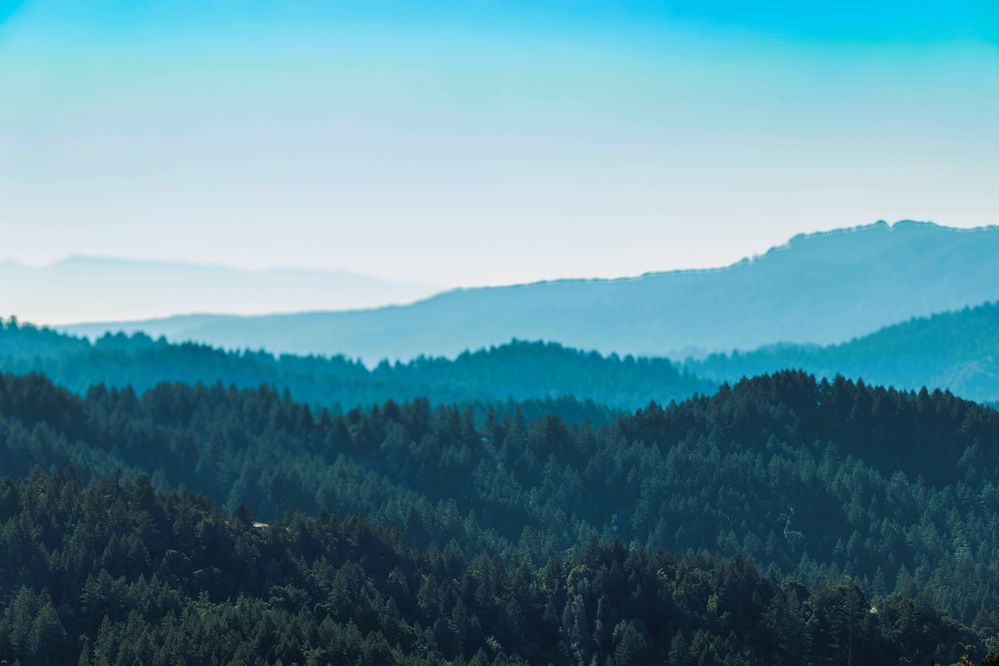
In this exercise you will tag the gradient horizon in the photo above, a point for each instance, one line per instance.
(486, 142)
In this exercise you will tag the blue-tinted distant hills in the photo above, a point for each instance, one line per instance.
(555, 378)
(958, 351)
(84, 288)
(822, 288)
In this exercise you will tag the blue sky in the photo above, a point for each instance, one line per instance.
(486, 142)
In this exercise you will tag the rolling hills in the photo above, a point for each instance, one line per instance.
(828, 482)
(520, 371)
(822, 288)
(957, 351)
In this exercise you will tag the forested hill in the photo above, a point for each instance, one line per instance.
(821, 480)
(821, 288)
(116, 573)
(957, 350)
(518, 370)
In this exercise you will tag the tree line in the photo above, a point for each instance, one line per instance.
(521, 371)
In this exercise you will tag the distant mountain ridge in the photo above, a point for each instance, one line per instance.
(87, 288)
(957, 351)
(520, 371)
(821, 288)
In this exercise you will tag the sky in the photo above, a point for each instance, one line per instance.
(486, 142)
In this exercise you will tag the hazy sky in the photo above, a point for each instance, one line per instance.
(487, 141)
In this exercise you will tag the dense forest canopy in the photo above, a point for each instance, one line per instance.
(825, 481)
(519, 370)
(867, 506)
(117, 573)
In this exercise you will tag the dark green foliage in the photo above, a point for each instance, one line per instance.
(953, 350)
(518, 370)
(115, 573)
(822, 480)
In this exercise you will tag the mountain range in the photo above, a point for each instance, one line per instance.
(956, 351)
(173, 498)
(92, 288)
(823, 288)
(520, 371)
(882, 496)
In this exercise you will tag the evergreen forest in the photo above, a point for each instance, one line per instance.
(782, 519)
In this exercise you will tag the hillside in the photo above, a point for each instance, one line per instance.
(117, 573)
(521, 371)
(822, 481)
(820, 288)
(958, 351)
